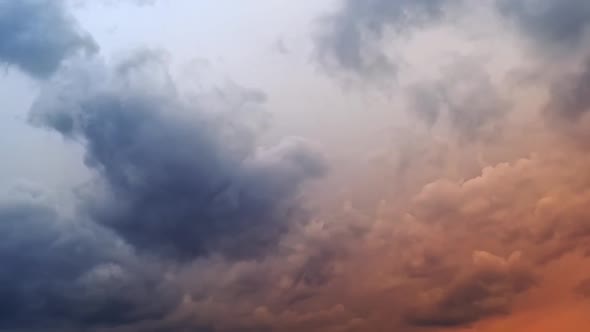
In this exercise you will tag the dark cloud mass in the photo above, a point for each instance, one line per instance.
(59, 273)
(37, 35)
(179, 180)
(178, 176)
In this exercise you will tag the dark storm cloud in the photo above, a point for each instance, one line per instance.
(37, 35)
(557, 24)
(179, 179)
(350, 38)
(65, 274)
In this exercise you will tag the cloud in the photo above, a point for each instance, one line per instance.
(179, 179)
(68, 274)
(459, 253)
(475, 209)
(38, 35)
(551, 24)
(487, 290)
(464, 97)
(362, 38)
(350, 38)
(569, 94)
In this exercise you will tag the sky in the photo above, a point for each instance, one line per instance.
(290, 166)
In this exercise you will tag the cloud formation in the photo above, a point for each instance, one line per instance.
(351, 38)
(485, 291)
(552, 24)
(464, 223)
(464, 98)
(69, 274)
(38, 35)
(179, 180)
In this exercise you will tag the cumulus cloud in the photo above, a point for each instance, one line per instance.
(486, 290)
(69, 274)
(458, 254)
(470, 226)
(179, 179)
(38, 35)
(475, 209)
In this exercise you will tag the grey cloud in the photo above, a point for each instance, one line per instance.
(486, 291)
(66, 274)
(425, 101)
(569, 94)
(554, 24)
(37, 35)
(179, 179)
(466, 96)
(350, 38)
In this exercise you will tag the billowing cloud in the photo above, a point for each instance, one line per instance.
(458, 254)
(179, 179)
(472, 216)
(486, 290)
(471, 225)
(69, 274)
(38, 35)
